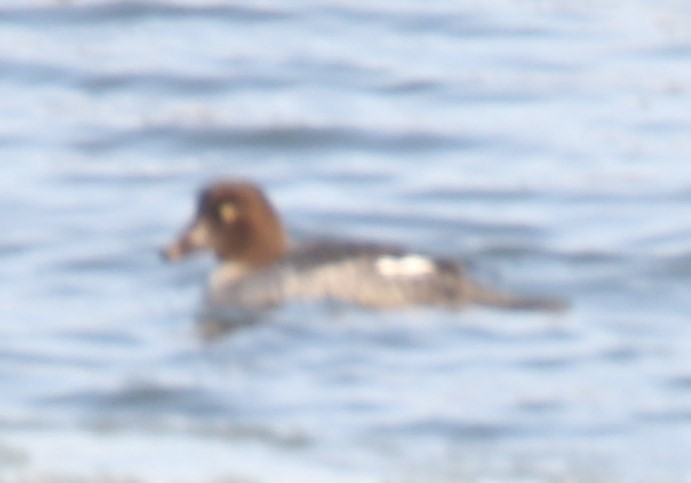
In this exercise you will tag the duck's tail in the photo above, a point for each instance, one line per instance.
(483, 296)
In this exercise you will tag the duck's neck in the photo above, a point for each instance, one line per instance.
(253, 244)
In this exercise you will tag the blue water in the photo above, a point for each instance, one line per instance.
(546, 143)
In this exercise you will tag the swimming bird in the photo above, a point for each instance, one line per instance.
(259, 268)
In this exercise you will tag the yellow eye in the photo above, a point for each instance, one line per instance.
(228, 212)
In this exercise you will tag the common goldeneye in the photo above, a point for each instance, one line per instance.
(258, 269)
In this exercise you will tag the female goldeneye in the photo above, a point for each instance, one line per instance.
(258, 268)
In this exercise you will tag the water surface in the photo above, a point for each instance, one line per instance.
(546, 144)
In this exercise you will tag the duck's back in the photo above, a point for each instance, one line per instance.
(368, 275)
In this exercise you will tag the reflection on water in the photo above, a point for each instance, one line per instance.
(216, 324)
(545, 145)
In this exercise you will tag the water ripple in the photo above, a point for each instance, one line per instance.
(272, 138)
(129, 11)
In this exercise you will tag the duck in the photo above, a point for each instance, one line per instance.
(260, 268)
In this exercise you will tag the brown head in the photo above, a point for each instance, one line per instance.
(237, 222)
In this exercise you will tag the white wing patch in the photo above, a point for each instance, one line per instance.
(409, 266)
